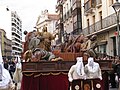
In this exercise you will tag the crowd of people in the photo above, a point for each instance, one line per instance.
(10, 66)
(115, 74)
(11, 73)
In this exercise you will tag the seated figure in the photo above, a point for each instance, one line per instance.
(77, 71)
(76, 45)
(39, 54)
(92, 45)
(92, 69)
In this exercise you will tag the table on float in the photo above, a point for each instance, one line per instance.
(52, 75)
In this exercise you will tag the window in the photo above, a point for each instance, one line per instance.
(93, 19)
(110, 2)
(102, 49)
(88, 24)
(94, 22)
(75, 26)
(100, 14)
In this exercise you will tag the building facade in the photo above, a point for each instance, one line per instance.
(12, 24)
(70, 17)
(98, 17)
(59, 23)
(6, 45)
(91, 17)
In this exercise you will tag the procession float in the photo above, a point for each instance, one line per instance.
(44, 68)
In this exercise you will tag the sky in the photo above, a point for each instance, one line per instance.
(29, 10)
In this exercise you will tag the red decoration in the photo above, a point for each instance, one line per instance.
(116, 33)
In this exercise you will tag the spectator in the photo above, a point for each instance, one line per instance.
(6, 64)
(11, 67)
(118, 72)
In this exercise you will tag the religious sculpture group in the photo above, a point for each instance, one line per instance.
(38, 45)
(81, 44)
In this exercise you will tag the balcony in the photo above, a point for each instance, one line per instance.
(59, 5)
(70, 12)
(75, 32)
(89, 6)
(98, 3)
(67, 15)
(64, 17)
(64, 1)
(102, 25)
(56, 25)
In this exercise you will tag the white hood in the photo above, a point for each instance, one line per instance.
(5, 77)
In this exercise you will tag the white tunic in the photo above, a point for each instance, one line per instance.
(77, 71)
(6, 79)
(92, 69)
(17, 77)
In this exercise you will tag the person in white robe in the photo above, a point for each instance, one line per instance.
(77, 71)
(6, 82)
(17, 76)
(92, 69)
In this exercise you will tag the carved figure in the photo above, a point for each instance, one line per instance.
(92, 69)
(36, 39)
(67, 42)
(41, 54)
(35, 42)
(76, 45)
(27, 56)
(92, 44)
(85, 45)
(77, 71)
(48, 37)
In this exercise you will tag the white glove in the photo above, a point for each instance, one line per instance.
(100, 78)
(84, 77)
(70, 79)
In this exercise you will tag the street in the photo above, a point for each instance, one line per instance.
(113, 89)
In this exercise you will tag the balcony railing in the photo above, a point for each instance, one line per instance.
(98, 3)
(75, 32)
(70, 12)
(64, 17)
(89, 5)
(56, 25)
(101, 25)
(59, 4)
(67, 15)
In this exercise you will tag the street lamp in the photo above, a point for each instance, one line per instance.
(116, 7)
